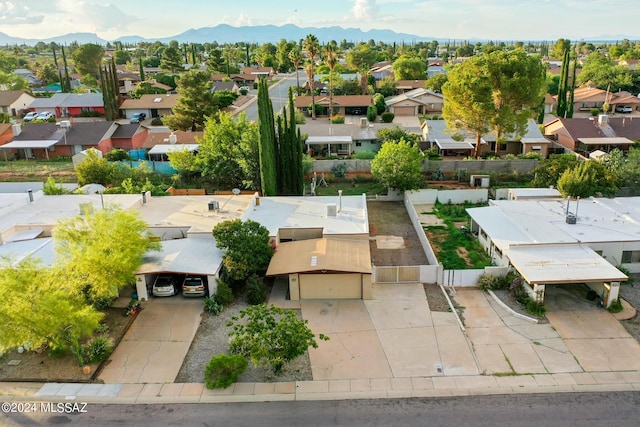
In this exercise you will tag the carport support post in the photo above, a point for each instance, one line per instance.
(613, 293)
(538, 292)
(141, 287)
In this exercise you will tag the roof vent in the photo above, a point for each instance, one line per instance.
(603, 119)
(363, 122)
(332, 209)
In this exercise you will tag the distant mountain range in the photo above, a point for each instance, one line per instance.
(224, 33)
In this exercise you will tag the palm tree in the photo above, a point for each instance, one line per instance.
(295, 55)
(331, 59)
(311, 46)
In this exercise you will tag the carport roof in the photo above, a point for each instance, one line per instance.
(315, 255)
(552, 264)
(184, 256)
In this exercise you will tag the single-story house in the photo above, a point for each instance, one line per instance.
(403, 86)
(382, 70)
(353, 105)
(266, 72)
(150, 104)
(129, 136)
(557, 241)
(328, 139)
(70, 104)
(230, 86)
(15, 102)
(603, 133)
(28, 75)
(415, 102)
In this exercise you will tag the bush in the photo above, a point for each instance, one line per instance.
(339, 170)
(487, 281)
(338, 119)
(372, 113)
(387, 117)
(224, 295)
(300, 119)
(595, 112)
(223, 370)
(97, 350)
(616, 306)
(256, 290)
(211, 306)
(117, 154)
(157, 122)
(318, 109)
(244, 91)
(364, 155)
(536, 308)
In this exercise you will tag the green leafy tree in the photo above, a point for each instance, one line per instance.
(267, 148)
(436, 82)
(559, 48)
(625, 167)
(47, 74)
(372, 113)
(289, 171)
(378, 101)
(185, 162)
(587, 179)
(172, 60)
(122, 57)
(599, 70)
(549, 170)
(53, 315)
(409, 68)
(271, 336)
(386, 87)
(398, 165)
(87, 59)
(361, 57)
(228, 152)
(395, 134)
(8, 62)
(95, 170)
(195, 102)
(146, 88)
(51, 188)
(247, 247)
(224, 98)
(311, 46)
(101, 251)
(12, 81)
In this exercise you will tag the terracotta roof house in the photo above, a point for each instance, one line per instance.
(415, 102)
(266, 72)
(355, 105)
(129, 136)
(381, 70)
(585, 135)
(239, 79)
(158, 138)
(230, 86)
(63, 139)
(151, 105)
(403, 86)
(15, 102)
(70, 104)
(127, 82)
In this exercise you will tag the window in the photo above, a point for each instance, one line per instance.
(483, 234)
(358, 144)
(502, 147)
(629, 257)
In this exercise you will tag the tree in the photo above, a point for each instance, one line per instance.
(289, 171)
(559, 48)
(95, 170)
(270, 336)
(145, 88)
(8, 62)
(331, 59)
(372, 113)
(395, 134)
(378, 101)
(185, 162)
(587, 178)
(122, 57)
(247, 245)
(171, 60)
(228, 152)
(54, 314)
(295, 56)
(626, 168)
(563, 86)
(12, 81)
(47, 74)
(87, 59)
(436, 82)
(601, 72)
(549, 170)
(100, 252)
(267, 148)
(386, 87)
(195, 102)
(398, 165)
(409, 68)
(361, 57)
(311, 46)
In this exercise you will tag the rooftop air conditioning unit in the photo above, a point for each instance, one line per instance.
(363, 122)
(332, 209)
(603, 119)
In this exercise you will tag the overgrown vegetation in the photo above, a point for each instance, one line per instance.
(223, 370)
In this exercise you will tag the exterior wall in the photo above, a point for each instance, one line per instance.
(543, 151)
(365, 145)
(20, 104)
(298, 234)
(471, 166)
(294, 287)
(367, 288)
(461, 196)
(330, 286)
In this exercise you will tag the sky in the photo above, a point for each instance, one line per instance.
(456, 19)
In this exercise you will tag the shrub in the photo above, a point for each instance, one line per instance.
(223, 370)
(372, 113)
(300, 119)
(317, 107)
(536, 308)
(339, 170)
(616, 306)
(244, 91)
(487, 281)
(364, 155)
(156, 122)
(256, 290)
(97, 350)
(337, 119)
(117, 154)
(627, 273)
(387, 117)
(595, 111)
(224, 295)
(211, 306)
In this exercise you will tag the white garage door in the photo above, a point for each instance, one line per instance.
(404, 111)
(330, 286)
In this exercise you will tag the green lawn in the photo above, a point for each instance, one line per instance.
(454, 248)
(35, 167)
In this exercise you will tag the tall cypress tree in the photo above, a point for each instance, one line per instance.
(571, 92)
(563, 85)
(267, 147)
(141, 69)
(65, 84)
(289, 152)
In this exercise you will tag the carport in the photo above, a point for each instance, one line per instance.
(27, 146)
(324, 268)
(541, 265)
(451, 147)
(190, 256)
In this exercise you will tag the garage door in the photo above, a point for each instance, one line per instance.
(404, 111)
(330, 286)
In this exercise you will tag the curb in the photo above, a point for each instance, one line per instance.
(510, 310)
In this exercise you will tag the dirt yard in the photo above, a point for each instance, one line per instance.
(392, 219)
(44, 367)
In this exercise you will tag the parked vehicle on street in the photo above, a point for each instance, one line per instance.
(30, 116)
(45, 115)
(623, 109)
(137, 118)
(194, 287)
(164, 286)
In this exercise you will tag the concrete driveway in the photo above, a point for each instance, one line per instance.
(153, 349)
(394, 335)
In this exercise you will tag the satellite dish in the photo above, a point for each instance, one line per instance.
(235, 191)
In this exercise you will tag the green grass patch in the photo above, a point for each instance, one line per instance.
(32, 167)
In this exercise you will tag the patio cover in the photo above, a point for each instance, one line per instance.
(329, 140)
(184, 256)
(168, 148)
(304, 256)
(606, 141)
(451, 144)
(30, 144)
(553, 264)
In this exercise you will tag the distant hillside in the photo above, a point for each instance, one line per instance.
(227, 34)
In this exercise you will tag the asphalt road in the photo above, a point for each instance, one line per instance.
(619, 409)
(278, 94)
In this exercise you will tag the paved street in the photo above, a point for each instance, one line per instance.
(277, 92)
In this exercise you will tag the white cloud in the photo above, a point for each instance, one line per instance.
(104, 17)
(243, 20)
(365, 10)
(15, 13)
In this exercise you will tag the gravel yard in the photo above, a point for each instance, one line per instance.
(212, 339)
(631, 294)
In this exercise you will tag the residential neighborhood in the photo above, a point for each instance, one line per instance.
(318, 220)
